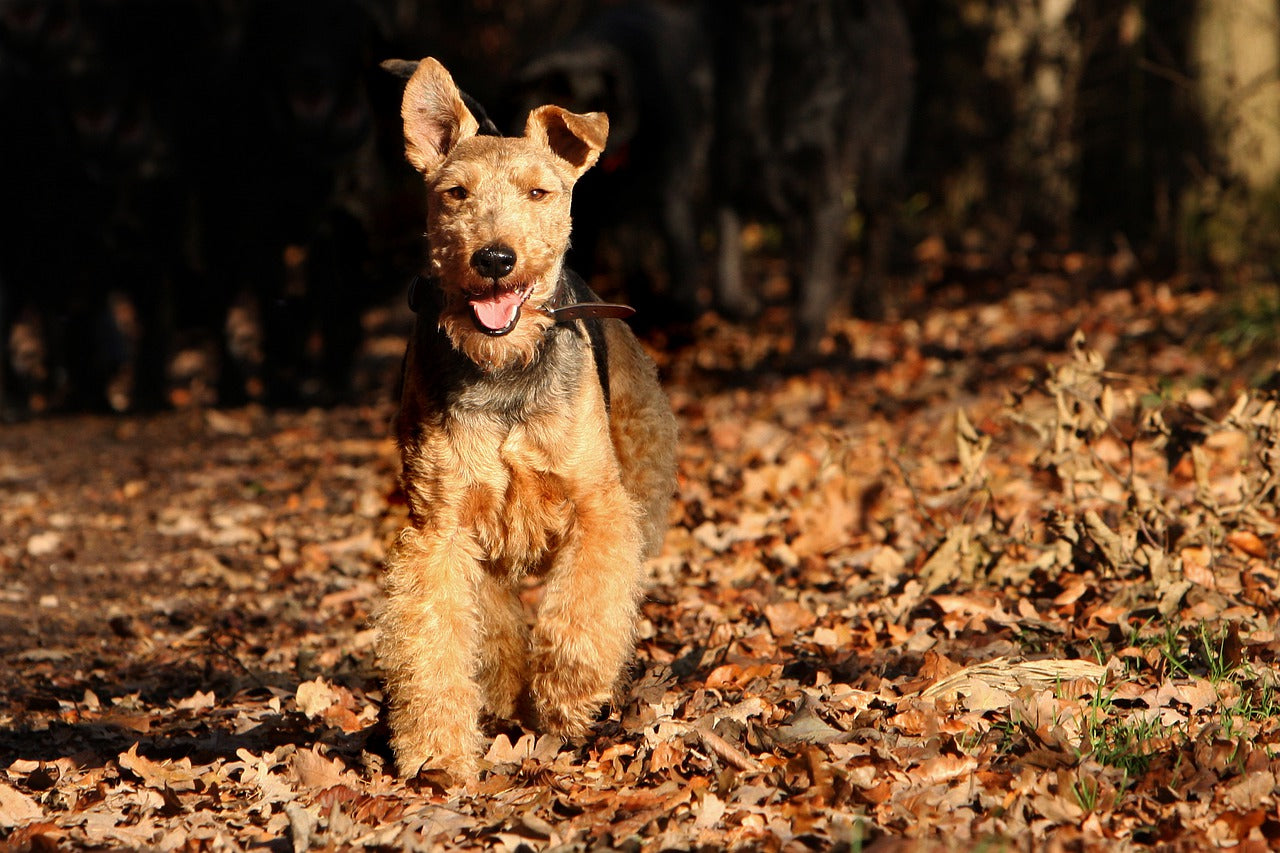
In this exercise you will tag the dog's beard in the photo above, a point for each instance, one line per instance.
(515, 347)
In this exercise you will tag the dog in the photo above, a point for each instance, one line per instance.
(535, 442)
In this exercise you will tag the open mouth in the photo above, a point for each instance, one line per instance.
(497, 311)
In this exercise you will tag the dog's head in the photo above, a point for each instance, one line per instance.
(497, 212)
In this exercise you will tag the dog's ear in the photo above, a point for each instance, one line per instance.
(576, 138)
(435, 118)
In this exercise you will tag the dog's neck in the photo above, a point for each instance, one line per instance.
(573, 305)
(453, 383)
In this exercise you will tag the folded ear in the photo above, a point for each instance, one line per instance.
(575, 138)
(435, 118)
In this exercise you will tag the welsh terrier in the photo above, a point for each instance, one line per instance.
(534, 438)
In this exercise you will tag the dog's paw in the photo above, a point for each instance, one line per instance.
(502, 690)
(567, 721)
(452, 746)
(459, 762)
(556, 706)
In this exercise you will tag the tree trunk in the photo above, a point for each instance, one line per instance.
(1035, 50)
(1235, 53)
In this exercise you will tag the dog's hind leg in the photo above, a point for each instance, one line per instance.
(429, 634)
(643, 432)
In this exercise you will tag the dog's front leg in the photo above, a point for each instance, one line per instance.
(504, 645)
(428, 639)
(585, 628)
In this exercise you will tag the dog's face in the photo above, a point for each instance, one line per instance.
(497, 213)
(499, 226)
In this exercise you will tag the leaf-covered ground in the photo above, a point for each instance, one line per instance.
(1001, 575)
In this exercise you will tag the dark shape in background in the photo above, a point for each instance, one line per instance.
(188, 189)
(288, 184)
(640, 210)
(812, 104)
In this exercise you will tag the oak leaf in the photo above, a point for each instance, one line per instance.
(16, 808)
(176, 775)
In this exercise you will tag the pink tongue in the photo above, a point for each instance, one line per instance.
(496, 310)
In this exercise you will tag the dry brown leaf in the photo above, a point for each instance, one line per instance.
(1197, 565)
(1253, 790)
(837, 637)
(315, 696)
(827, 523)
(971, 449)
(788, 617)
(503, 751)
(1111, 544)
(727, 752)
(805, 726)
(943, 768)
(1248, 542)
(198, 701)
(998, 676)
(313, 770)
(947, 563)
(936, 667)
(710, 810)
(16, 808)
(1196, 694)
(176, 775)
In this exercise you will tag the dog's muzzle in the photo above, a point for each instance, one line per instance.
(497, 311)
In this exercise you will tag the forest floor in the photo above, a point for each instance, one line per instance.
(1000, 574)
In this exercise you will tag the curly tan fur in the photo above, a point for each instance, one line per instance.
(512, 462)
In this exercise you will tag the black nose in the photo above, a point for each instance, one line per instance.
(494, 261)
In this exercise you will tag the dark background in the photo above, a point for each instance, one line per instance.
(200, 200)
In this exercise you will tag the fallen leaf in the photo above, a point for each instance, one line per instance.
(313, 770)
(729, 753)
(805, 726)
(1000, 675)
(1252, 791)
(1248, 542)
(303, 822)
(175, 775)
(16, 808)
(44, 544)
(313, 697)
(788, 617)
(1197, 566)
(199, 701)
(503, 751)
(943, 768)
(710, 811)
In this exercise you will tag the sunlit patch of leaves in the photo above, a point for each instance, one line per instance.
(927, 600)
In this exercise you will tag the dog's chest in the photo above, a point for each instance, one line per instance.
(514, 498)
(521, 527)
(503, 457)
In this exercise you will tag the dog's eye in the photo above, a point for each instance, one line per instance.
(457, 193)
(538, 194)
